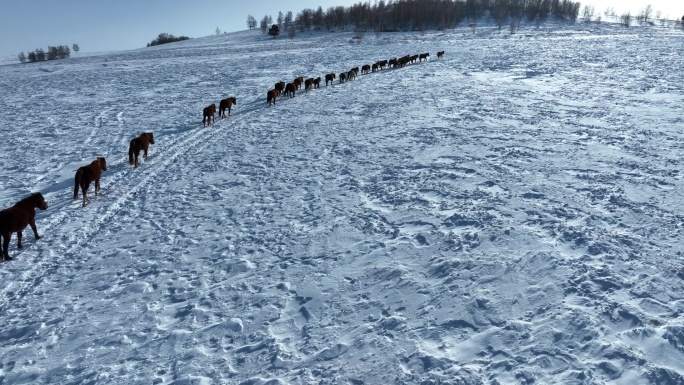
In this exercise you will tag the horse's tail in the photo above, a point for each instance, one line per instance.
(130, 153)
(77, 182)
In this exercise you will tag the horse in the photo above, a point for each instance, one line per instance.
(423, 56)
(298, 82)
(279, 87)
(142, 142)
(343, 77)
(375, 67)
(14, 220)
(351, 75)
(208, 113)
(317, 82)
(226, 104)
(87, 174)
(290, 90)
(329, 78)
(308, 83)
(365, 69)
(271, 96)
(440, 54)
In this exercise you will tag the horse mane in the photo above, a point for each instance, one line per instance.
(31, 197)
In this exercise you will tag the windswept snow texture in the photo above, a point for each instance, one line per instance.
(508, 214)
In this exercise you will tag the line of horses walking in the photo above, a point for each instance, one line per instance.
(289, 89)
(15, 219)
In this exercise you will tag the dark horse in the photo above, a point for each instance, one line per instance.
(290, 90)
(271, 96)
(87, 174)
(141, 143)
(208, 113)
(15, 219)
(225, 104)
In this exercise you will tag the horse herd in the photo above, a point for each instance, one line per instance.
(15, 219)
(288, 89)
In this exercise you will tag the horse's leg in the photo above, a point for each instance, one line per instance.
(84, 188)
(19, 235)
(145, 153)
(32, 223)
(97, 186)
(5, 245)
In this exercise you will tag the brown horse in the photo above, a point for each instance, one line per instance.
(208, 113)
(423, 56)
(15, 219)
(290, 90)
(308, 83)
(317, 82)
(226, 104)
(141, 143)
(351, 75)
(298, 82)
(279, 87)
(365, 69)
(271, 96)
(440, 54)
(87, 174)
(329, 78)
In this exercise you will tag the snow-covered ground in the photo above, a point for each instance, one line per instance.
(509, 214)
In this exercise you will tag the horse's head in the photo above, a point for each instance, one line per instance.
(234, 100)
(151, 136)
(39, 201)
(103, 163)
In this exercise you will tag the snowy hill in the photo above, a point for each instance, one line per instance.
(508, 214)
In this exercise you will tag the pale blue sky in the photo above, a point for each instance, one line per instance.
(96, 25)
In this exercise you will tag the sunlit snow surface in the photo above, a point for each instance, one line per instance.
(509, 214)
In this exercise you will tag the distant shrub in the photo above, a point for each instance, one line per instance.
(164, 38)
(274, 31)
(53, 53)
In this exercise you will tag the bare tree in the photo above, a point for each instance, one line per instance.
(500, 13)
(588, 13)
(626, 19)
(251, 22)
(645, 15)
(218, 31)
(22, 57)
(75, 47)
(289, 18)
(280, 19)
(265, 23)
